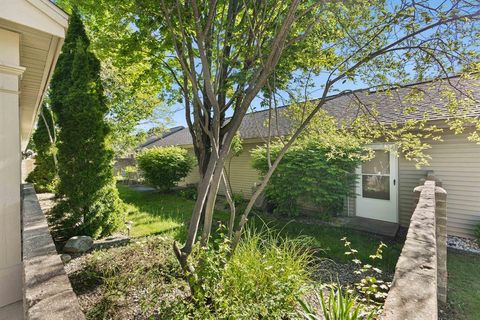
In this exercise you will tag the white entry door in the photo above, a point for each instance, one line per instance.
(377, 186)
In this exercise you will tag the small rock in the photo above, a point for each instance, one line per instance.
(78, 244)
(65, 258)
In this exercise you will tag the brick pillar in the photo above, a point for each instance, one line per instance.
(441, 233)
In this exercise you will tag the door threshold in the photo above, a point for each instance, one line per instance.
(380, 227)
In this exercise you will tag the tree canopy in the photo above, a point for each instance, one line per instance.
(137, 91)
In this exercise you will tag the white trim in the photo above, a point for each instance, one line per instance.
(35, 14)
(365, 207)
(53, 53)
(15, 70)
(16, 92)
(52, 11)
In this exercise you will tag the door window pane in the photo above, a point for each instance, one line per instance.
(376, 186)
(379, 164)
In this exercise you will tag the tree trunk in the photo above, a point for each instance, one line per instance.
(51, 137)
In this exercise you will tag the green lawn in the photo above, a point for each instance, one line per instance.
(159, 213)
(464, 284)
(167, 214)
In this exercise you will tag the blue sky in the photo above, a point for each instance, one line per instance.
(179, 114)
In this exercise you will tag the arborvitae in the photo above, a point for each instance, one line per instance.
(44, 174)
(89, 202)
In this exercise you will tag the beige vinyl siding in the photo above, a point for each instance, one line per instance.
(194, 176)
(408, 178)
(349, 206)
(456, 162)
(242, 176)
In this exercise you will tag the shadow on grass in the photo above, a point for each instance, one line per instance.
(85, 281)
(158, 213)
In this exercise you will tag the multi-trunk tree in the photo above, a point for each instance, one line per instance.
(222, 55)
(89, 202)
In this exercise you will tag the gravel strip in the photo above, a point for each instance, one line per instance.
(463, 244)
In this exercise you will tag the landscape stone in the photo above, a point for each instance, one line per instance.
(78, 244)
(66, 258)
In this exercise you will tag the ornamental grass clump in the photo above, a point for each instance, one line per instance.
(260, 280)
(164, 167)
(364, 300)
(338, 304)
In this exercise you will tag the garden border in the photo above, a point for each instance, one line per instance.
(47, 292)
(420, 279)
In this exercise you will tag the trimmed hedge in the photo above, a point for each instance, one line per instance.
(164, 167)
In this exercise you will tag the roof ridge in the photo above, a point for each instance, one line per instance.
(251, 126)
(333, 96)
(169, 133)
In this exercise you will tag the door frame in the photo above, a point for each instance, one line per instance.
(394, 183)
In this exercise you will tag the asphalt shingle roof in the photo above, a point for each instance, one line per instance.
(151, 141)
(390, 106)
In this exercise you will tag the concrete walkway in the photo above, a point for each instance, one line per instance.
(140, 187)
(12, 311)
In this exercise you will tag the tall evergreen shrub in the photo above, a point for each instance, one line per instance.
(89, 202)
(44, 174)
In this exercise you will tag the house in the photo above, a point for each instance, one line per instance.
(31, 37)
(385, 185)
(154, 139)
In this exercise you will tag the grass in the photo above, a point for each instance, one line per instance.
(327, 239)
(159, 213)
(168, 214)
(464, 284)
(147, 273)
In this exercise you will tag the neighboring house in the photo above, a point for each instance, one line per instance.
(31, 36)
(384, 190)
(155, 139)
